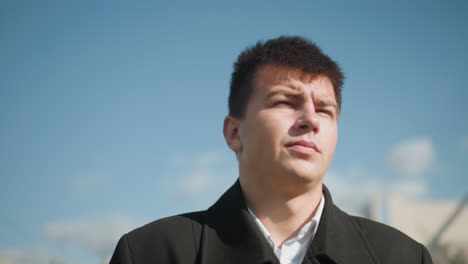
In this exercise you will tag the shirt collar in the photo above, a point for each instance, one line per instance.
(310, 226)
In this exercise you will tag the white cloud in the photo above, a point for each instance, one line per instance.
(356, 171)
(412, 157)
(97, 236)
(196, 181)
(30, 256)
(89, 182)
(465, 142)
(42, 255)
(202, 174)
(209, 159)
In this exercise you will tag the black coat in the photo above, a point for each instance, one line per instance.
(227, 234)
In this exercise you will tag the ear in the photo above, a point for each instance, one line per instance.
(231, 133)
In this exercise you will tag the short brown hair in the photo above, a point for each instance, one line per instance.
(295, 52)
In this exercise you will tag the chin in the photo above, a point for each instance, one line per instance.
(305, 173)
(300, 183)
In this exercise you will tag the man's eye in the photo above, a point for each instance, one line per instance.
(323, 111)
(284, 103)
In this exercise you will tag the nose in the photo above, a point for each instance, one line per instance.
(308, 120)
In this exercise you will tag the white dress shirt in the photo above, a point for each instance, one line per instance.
(294, 249)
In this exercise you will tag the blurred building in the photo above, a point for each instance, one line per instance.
(440, 225)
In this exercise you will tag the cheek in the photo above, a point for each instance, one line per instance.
(329, 134)
(332, 135)
(273, 128)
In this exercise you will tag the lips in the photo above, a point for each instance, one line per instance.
(303, 146)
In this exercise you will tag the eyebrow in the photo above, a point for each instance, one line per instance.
(294, 94)
(290, 93)
(325, 103)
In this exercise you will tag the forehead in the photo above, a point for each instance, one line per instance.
(269, 77)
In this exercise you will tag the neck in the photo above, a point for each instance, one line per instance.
(283, 213)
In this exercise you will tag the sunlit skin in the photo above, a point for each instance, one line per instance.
(285, 144)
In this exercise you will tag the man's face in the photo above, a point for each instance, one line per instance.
(289, 132)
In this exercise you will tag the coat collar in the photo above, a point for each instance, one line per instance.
(233, 237)
(338, 238)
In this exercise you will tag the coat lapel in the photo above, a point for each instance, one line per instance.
(231, 236)
(338, 239)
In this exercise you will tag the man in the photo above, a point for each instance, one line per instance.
(284, 106)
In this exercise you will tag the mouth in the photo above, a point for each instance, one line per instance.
(303, 146)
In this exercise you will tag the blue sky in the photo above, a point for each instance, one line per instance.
(111, 112)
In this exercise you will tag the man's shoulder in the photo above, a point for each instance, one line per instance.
(173, 239)
(171, 227)
(386, 241)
